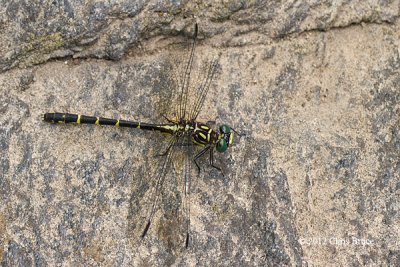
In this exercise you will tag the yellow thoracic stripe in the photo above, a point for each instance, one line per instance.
(78, 121)
(203, 135)
(138, 127)
(117, 124)
(97, 121)
(197, 143)
(208, 135)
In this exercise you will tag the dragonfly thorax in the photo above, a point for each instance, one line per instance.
(204, 135)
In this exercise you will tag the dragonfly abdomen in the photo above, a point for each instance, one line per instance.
(83, 119)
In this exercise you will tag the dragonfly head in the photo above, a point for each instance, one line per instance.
(225, 138)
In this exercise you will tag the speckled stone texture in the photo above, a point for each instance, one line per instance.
(313, 86)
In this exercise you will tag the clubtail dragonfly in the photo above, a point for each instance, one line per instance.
(184, 130)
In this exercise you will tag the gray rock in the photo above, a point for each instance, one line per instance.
(312, 86)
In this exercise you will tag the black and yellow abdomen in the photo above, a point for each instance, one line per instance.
(83, 119)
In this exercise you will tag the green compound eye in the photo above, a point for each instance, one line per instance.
(225, 129)
(222, 146)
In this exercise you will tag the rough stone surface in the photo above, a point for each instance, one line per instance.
(314, 86)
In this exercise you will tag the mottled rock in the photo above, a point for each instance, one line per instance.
(312, 86)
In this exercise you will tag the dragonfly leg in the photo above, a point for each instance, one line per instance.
(201, 153)
(168, 119)
(212, 162)
(166, 150)
(239, 134)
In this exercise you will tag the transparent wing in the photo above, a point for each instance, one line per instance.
(164, 166)
(184, 94)
(185, 101)
(202, 90)
(186, 184)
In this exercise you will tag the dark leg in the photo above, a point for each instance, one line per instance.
(201, 153)
(239, 134)
(169, 120)
(212, 162)
(166, 151)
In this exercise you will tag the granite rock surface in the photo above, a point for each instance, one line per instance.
(313, 87)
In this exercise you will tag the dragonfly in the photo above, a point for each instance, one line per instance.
(184, 131)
